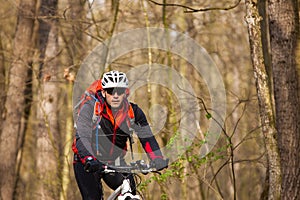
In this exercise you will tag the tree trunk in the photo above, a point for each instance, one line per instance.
(48, 138)
(2, 82)
(75, 46)
(264, 100)
(283, 26)
(14, 124)
(75, 36)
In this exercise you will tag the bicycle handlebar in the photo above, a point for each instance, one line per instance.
(136, 167)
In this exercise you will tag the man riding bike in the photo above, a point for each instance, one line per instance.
(104, 139)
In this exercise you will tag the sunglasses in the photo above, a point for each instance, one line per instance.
(112, 91)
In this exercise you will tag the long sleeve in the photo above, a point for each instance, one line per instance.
(84, 130)
(144, 133)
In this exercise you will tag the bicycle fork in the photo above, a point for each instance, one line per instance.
(123, 192)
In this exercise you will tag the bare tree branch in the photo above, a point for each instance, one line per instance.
(190, 9)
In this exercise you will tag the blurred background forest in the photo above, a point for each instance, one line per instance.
(44, 42)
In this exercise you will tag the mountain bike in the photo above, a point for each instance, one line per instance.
(124, 191)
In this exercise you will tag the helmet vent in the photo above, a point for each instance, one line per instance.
(114, 79)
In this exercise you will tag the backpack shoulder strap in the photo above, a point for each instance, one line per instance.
(131, 117)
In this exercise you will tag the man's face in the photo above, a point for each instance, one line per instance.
(114, 96)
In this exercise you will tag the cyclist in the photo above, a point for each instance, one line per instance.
(110, 144)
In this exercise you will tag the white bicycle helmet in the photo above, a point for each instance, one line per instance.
(114, 79)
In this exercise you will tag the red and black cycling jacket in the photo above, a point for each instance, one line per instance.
(113, 133)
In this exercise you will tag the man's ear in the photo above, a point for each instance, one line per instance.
(103, 93)
(127, 92)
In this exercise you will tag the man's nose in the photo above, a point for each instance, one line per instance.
(115, 95)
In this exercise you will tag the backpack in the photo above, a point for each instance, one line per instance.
(91, 93)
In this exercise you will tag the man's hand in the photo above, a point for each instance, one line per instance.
(160, 163)
(91, 165)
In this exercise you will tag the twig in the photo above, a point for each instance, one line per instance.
(190, 9)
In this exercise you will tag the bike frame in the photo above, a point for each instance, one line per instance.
(124, 190)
